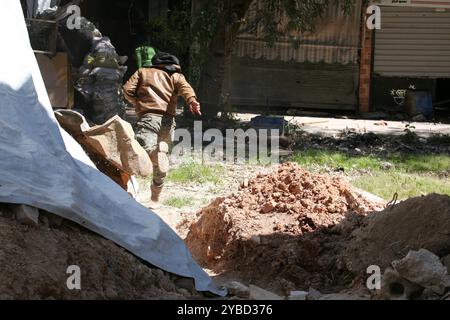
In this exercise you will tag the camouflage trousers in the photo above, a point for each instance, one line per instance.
(151, 131)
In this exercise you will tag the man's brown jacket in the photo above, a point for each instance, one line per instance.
(154, 90)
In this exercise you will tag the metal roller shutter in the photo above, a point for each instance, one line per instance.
(413, 42)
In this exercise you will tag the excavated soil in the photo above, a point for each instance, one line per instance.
(282, 231)
(416, 223)
(34, 261)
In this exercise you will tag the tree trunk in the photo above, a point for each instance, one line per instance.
(214, 89)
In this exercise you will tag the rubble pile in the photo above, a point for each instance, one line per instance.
(285, 229)
(35, 258)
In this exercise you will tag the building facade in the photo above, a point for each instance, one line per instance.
(321, 73)
(411, 51)
(343, 65)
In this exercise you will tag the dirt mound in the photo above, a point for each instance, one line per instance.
(279, 229)
(34, 262)
(417, 223)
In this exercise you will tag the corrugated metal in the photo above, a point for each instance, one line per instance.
(414, 3)
(335, 40)
(431, 3)
(413, 42)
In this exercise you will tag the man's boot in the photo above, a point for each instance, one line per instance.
(156, 192)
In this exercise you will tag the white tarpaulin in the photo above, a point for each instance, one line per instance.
(42, 166)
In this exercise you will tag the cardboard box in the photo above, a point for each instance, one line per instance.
(56, 73)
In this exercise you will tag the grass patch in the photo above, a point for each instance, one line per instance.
(386, 184)
(314, 158)
(402, 163)
(411, 175)
(178, 202)
(196, 173)
(422, 163)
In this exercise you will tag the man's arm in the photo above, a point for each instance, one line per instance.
(129, 89)
(185, 90)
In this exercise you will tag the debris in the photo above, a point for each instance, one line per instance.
(298, 295)
(257, 293)
(423, 268)
(419, 118)
(184, 292)
(394, 287)
(51, 220)
(238, 289)
(343, 296)
(185, 283)
(26, 215)
(371, 143)
(314, 294)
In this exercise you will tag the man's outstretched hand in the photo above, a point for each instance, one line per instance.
(194, 108)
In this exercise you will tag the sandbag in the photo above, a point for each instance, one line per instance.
(114, 140)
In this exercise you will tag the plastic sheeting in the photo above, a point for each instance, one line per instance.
(42, 166)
